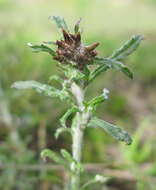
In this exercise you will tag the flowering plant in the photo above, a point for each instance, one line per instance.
(75, 61)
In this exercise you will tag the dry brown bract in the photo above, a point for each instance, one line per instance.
(71, 50)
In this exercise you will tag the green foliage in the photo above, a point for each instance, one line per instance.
(75, 60)
(41, 48)
(60, 22)
(128, 48)
(111, 129)
(41, 88)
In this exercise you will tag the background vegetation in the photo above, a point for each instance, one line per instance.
(28, 121)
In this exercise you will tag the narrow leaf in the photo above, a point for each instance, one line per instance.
(99, 99)
(77, 25)
(61, 130)
(41, 48)
(60, 22)
(112, 130)
(128, 48)
(98, 71)
(63, 119)
(44, 89)
(121, 67)
(97, 179)
(67, 156)
(47, 153)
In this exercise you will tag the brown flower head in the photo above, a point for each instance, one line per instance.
(71, 50)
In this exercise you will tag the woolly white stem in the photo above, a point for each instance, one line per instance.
(78, 130)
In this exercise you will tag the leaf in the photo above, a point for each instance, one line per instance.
(111, 129)
(67, 156)
(98, 71)
(72, 110)
(47, 153)
(97, 179)
(56, 78)
(99, 99)
(44, 89)
(128, 48)
(121, 67)
(76, 28)
(41, 48)
(61, 130)
(60, 22)
(112, 63)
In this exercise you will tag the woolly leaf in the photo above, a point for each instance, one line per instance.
(111, 129)
(99, 99)
(61, 130)
(128, 48)
(76, 28)
(47, 153)
(44, 89)
(121, 67)
(67, 156)
(63, 119)
(41, 48)
(97, 179)
(98, 71)
(60, 22)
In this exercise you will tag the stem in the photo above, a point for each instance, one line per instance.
(78, 127)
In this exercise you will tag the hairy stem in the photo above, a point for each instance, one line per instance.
(78, 127)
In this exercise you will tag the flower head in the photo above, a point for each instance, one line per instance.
(72, 51)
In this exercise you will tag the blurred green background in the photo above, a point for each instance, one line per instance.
(28, 120)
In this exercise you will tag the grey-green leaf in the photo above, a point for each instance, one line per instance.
(128, 48)
(76, 28)
(111, 129)
(121, 67)
(47, 153)
(61, 130)
(60, 22)
(41, 48)
(44, 89)
(70, 111)
(98, 71)
(67, 156)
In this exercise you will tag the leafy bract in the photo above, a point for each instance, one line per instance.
(41, 48)
(128, 48)
(60, 22)
(76, 27)
(44, 89)
(111, 129)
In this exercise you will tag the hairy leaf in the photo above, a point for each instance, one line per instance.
(63, 119)
(111, 129)
(67, 156)
(97, 179)
(128, 48)
(121, 67)
(56, 78)
(44, 89)
(99, 99)
(47, 153)
(60, 22)
(61, 130)
(98, 71)
(76, 28)
(41, 48)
